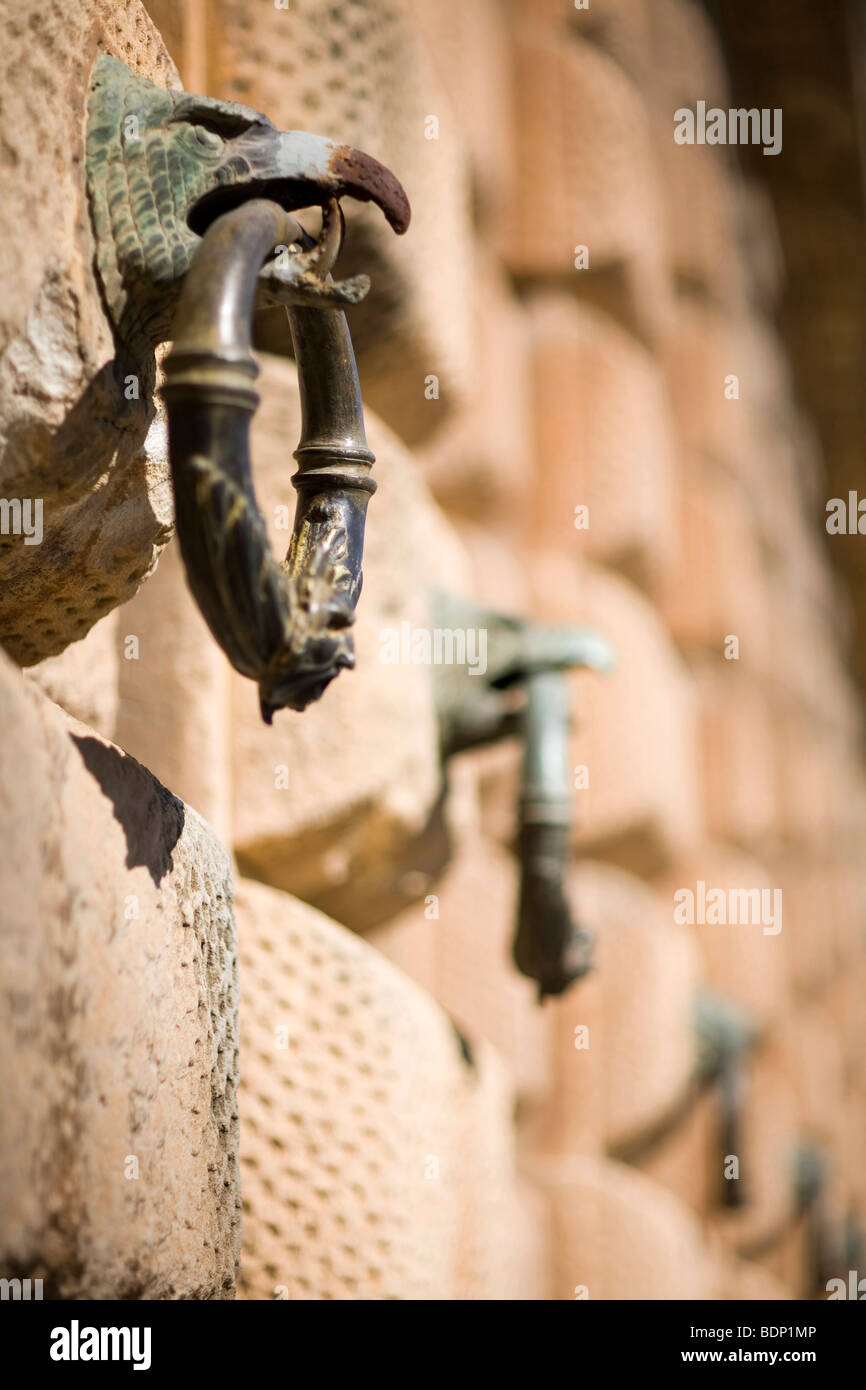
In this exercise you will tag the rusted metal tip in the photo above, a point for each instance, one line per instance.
(363, 177)
(267, 709)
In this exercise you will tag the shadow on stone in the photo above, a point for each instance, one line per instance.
(152, 818)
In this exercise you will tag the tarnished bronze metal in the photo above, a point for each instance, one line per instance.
(725, 1038)
(548, 946)
(190, 200)
(162, 166)
(285, 625)
(831, 1244)
(523, 693)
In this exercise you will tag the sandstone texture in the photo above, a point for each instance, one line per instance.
(74, 439)
(118, 1031)
(376, 1151)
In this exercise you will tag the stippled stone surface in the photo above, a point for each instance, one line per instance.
(118, 1145)
(73, 423)
(354, 1100)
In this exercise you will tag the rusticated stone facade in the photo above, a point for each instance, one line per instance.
(276, 984)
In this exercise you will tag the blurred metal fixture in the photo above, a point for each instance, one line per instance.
(529, 660)
(725, 1038)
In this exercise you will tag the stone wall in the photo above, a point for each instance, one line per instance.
(581, 316)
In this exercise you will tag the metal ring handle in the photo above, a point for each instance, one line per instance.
(284, 625)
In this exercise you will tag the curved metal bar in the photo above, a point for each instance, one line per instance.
(285, 625)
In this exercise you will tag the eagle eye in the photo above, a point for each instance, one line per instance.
(207, 138)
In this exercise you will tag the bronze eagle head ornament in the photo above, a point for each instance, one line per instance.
(191, 204)
(162, 166)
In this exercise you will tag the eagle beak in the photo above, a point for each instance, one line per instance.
(341, 171)
(297, 170)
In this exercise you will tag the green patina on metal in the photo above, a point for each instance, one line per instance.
(522, 692)
(191, 202)
(162, 165)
